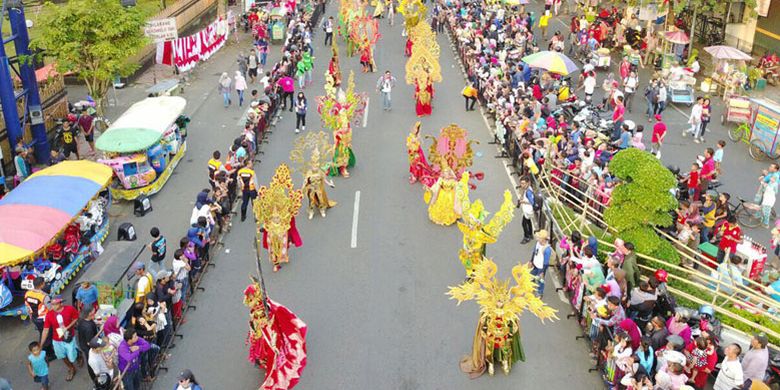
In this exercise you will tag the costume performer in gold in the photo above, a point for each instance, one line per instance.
(497, 337)
(275, 212)
(314, 175)
(477, 233)
(446, 197)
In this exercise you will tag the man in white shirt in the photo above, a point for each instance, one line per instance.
(385, 85)
(590, 86)
(695, 119)
(730, 374)
(327, 25)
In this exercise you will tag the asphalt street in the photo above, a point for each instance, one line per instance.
(377, 313)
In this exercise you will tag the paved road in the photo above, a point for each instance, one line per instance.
(377, 313)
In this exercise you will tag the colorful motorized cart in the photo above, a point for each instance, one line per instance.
(737, 110)
(761, 131)
(144, 146)
(108, 274)
(278, 25)
(50, 226)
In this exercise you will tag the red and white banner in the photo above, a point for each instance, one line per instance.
(186, 52)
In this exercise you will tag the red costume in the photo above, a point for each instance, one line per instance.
(277, 341)
(424, 97)
(408, 49)
(293, 237)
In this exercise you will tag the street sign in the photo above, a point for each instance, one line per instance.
(161, 30)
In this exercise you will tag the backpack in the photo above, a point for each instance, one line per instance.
(538, 201)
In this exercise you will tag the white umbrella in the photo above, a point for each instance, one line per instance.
(723, 52)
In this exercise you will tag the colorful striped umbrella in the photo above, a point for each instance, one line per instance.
(35, 212)
(551, 61)
(722, 52)
(679, 37)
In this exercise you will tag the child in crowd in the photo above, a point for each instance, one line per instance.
(37, 365)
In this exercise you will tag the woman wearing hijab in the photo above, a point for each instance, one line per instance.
(240, 87)
(224, 88)
(300, 112)
(113, 331)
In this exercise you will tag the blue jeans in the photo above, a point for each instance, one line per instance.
(387, 101)
(226, 98)
(301, 80)
(616, 130)
(263, 57)
(132, 380)
(155, 267)
(650, 108)
(540, 274)
(240, 97)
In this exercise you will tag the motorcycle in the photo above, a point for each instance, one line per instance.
(772, 376)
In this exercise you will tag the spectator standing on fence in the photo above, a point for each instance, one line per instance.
(540, 259)
(130, 359)
(181, 272)
(730, 375)
(527, 206)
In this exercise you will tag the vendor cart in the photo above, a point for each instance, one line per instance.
(681, 92)
(760, 132)
(681, 85)
(278, 24)
(737, 111)
(115, 295)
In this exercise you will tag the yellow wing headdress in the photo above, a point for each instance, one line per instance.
(310, 151)
(413, 11)
(278, 203)
(496, 298)
(424, 61)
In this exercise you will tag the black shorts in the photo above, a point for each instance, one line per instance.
(89, 137)
(67, 149)
(253, 72)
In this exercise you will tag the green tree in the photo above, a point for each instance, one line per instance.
(93, 39)
(641, 201)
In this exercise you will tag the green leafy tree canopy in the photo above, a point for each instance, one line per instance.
(93, 39)
(641, 201)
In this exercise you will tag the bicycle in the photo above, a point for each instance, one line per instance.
(749, 214)
(758, 149)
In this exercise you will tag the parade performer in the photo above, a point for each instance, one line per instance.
(338, 108)
(408, 47)
(364, 31)
(276, 339)
(477, 233)
(419, 170)
(497, 337)
(334, 70)
(275, 212)
(446, 197)
(343, 156)
(422, 67)
(423, 93)
(306, 154)
(452, 149)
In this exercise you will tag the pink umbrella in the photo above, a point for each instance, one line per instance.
(678, 37)
(722, 52)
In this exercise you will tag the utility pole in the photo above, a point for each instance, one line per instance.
(33, 111)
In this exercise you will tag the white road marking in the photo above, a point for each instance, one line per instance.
(355, 213)
(365, 114)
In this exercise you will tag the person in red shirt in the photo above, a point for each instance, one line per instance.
(693, 183)
(617, 117)
(707, 170)
(659, 133)
(87, 124)
(61, 322)
(731, 235)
